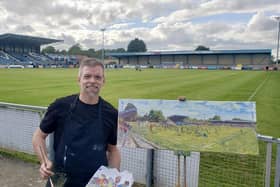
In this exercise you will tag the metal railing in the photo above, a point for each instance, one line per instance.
(270, 140)
(31, 115)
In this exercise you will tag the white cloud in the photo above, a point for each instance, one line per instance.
(260, 22)
(121, 26)
(162, 24)
(3, 14)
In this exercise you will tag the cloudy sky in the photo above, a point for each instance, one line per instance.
(162, 24)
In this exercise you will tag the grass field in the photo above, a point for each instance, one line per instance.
(41, 86)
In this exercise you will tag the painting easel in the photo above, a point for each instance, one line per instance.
(179, 154)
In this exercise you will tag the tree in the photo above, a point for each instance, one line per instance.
(49, 49)
(136, 45)
(118, 50)
(75, 49)
(216, 117)
(155, 116)
(64, 52)
(202, 48)
(90, 52)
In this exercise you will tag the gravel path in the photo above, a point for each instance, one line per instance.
(17, 173)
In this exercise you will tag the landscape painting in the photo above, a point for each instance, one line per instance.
(204, 126)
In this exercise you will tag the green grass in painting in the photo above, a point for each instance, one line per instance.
(206, 138)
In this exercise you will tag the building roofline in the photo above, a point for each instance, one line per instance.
(38, 40)
(211, 52)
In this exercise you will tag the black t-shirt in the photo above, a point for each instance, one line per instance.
(58, 111)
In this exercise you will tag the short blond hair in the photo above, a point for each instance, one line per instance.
(90, 62)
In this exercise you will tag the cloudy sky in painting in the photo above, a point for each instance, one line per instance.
(162, 24)
(204, 110)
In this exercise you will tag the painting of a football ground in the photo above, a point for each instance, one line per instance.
(204, 126)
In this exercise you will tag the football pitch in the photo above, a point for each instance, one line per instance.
(40, 87)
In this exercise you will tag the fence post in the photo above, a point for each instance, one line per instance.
(277, 170)
(149, 167)
(268, 164)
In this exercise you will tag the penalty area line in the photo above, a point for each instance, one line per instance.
(257, 89)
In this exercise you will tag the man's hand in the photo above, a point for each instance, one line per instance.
(39, 145)
(114, 156)
(45, 169)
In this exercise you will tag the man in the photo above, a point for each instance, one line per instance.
(85, 130)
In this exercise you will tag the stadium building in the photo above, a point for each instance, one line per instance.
(214, 59)
(25, 51)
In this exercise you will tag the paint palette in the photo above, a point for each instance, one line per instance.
(110, 177)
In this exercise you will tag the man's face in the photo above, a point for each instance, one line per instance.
(91, 80)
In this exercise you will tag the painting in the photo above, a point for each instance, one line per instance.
(203, 126)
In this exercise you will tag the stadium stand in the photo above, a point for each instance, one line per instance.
(25, 50)
(212, 59)
(63, 60)
(5, 58)
(40, 57)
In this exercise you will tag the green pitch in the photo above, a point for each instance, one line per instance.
(42, 86)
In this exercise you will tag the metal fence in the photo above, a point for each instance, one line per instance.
(149, 167)
(18, 123)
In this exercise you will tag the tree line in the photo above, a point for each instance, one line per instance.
(136, 45)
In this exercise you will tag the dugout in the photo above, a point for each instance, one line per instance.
(213, 58)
